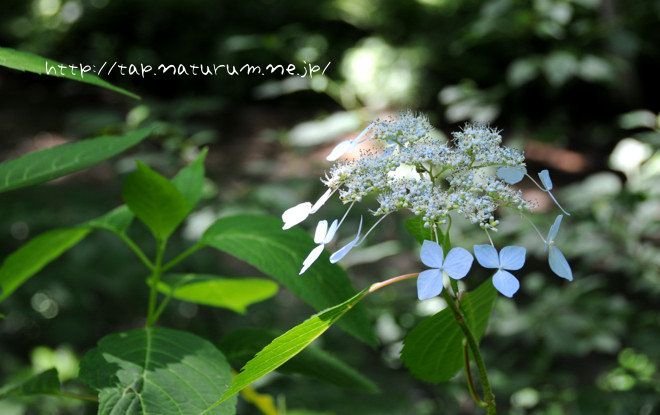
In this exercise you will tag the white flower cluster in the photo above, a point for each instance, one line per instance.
(412, 170)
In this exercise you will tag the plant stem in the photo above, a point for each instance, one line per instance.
(128, 241)
(156, 273)
(474, 346)
(184, 255)
(382, 284)
(468, 375)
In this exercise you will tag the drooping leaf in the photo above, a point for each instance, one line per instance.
(260, 241)
(241, 345)
(51, 163)
(28, 62)
(235, 294)
(415, 227)
(44, 383)
(36, 254)
(287, 346)
(115, 221)
(433, 350)
(190, 179)
(157, 371)
(155, 201)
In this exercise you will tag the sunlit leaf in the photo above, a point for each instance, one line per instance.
(36, 254)
(51, 163)
(235, 294)
(241, 345)
(157, 371)
(287, 346)
(190, 179)
(28, 62)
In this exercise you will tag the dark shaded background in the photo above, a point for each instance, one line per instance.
(567, 81)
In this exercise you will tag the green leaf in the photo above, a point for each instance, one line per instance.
(261, 242)
(415, 227)
(288, 345)
(155, 201)
(157, 371)
(28, 62)
(240, 345)
(115, 221)
(433, 350)
(234, 294)
(190, 179)
(44, 383)
(36, 254)
(48, 164)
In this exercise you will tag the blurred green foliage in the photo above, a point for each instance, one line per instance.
(581, 75)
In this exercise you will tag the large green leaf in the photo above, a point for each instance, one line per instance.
(433, 350)
(48, 164)
(36, 254)
(241, 345)
(235, 294)
(28, 62)
(155, 201)
(157, 371)
(260, 241)
(44, 383)
(287, 346)
(190, 180)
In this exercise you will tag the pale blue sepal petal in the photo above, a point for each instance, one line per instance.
(313, 256)
(487, 256)
(324, 198)
(431, 254)
(505, 283)
(458, 263)
(511, 175)
(296, 214)
(340, 149)
(330, 235)
(554, 229)
(545, 179)
(512, 257)
(321, 230)
(366, 130)
(429, 284)
(337, 256)
(558, 263)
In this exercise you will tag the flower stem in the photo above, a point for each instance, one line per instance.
(474, 346)
(468, 375)
(382, 284)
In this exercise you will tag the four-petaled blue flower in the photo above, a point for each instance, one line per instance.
(558, 263)
(322, 236)
(511, 175)
(511, 258)
(456, 265)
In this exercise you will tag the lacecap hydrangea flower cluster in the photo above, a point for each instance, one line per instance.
(407, 167)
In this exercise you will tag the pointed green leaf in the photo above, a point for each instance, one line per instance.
(415, 227)
(261, 242)
(240, 345)
(28, 62)
(190, 179)
(433, 350)
(235, 294)
(287, 346)
(48, 164)
(115, 221)
(155, 201)
(157, 371)
(44, 383)
(36, 254)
